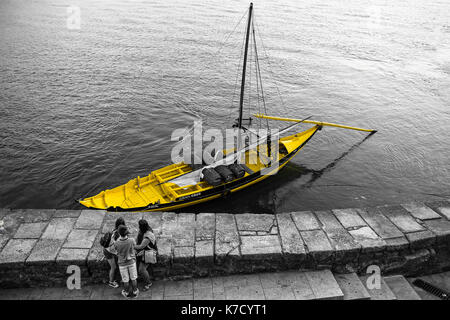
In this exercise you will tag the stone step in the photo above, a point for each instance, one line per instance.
(383, 292)
(324, 285)
(401, 288)
(352, 287)
(440, 280)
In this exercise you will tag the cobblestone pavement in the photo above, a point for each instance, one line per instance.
(289, 285)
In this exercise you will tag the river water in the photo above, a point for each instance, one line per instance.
(87, 109)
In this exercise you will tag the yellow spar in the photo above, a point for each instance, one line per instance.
(262, 116)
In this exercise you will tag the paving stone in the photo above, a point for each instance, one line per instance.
(218, 285)
(66, 213)
(254, 292)
(45, 250)
(368, 239)
(421, 239)
(30, 230)
(441, 227)
(379, 223)
(17, 250)
(14, 294)
(59, 228)
(291, 241)
(397, 244)
(200, 283)
(157, 290)
(185, 234)
(169, 224)
(295, 279)
(383, 292)
(239, 280)
(204, 250)
(255, 222)
(90, 219)
(349, 218)
(301, 288)
(401, 218)
(227, 238)
(77, 294)
(441, 207)
(97, 292)
(279, 293)
(165, 251)
(344, 244)
(351, 287)
(52, 293)
(178, 288)
(203, 294)
(182, 297)
(183, 254)
(305, 220)
(401, 288)
(260, 245)
(324, 285)
(219, 296)
(83, 239)
(72, 255)
(420, 211)
(340, 239)
(316, 241)
(328, 220)
(37, 215)
(205, 226)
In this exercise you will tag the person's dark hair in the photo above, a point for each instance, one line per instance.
(143, 228)
(123, 230)
(120, 222)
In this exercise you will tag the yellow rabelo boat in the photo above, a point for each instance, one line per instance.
(179, 185)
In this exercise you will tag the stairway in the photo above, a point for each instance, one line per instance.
(394, 287)
(325, 285)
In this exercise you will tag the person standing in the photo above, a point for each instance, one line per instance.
(146, 241)
(110, 252)
(125, 247)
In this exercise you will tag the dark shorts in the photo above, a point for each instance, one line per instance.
(108, 255)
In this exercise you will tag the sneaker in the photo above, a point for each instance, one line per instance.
(125, 294)
(147, 287)
(135, 294)
(113, 284)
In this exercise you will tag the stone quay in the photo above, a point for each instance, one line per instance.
(37, 245)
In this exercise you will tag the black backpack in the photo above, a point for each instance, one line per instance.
(105, 240)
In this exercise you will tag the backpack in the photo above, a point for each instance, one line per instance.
(105, 240)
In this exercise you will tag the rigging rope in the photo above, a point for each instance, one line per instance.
(269, 64)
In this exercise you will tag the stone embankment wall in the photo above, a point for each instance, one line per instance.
(36, 246)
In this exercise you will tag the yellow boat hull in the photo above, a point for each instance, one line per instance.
(155, 193)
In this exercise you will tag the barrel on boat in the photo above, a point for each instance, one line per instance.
(225, 173)
(212, 176)
(237, 170)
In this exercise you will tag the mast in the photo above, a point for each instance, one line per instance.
(244, 67)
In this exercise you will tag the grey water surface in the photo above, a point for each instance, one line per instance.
(83, 110)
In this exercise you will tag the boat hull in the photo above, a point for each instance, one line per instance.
(223, 190)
